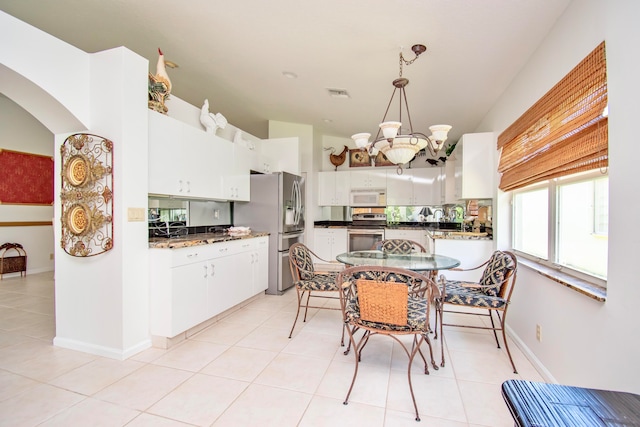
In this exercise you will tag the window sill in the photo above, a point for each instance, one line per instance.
(585, 288)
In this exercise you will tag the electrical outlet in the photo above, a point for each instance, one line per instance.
(538, 332)
(216, 214)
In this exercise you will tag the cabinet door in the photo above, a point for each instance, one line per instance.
(340, 243)
(369, 179)
(201, 179)
(342, 188)
(286, 151)
(326, 188)
(323, 242)
(399, 188)
(475, 160)
(261, 265)
(166, 155)
(188, 296)
(427, 186)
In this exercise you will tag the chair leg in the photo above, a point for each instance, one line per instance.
(356, 354)
(504, 339)
(440, 313)
(306, 309)
(297, 313)
(411, 357)
(493, 326)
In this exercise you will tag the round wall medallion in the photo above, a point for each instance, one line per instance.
(78, 219)
(78, 170)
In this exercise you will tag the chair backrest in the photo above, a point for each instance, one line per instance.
(399, 246)
(301, 262)
(499, 274)
(377, 293)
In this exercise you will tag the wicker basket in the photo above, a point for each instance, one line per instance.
(383, 302)
(12, 264)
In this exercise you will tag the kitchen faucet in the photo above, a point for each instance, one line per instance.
(437, 217)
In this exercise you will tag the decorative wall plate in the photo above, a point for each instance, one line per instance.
(87, 195)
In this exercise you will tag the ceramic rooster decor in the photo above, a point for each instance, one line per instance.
(338, 159)
(159, 86)
(210, 121)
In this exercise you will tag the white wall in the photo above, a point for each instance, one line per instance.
(102, 302)
(20, 131)
(585, 342)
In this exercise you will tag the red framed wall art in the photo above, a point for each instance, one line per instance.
(25, 178)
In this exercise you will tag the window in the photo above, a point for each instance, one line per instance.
(563, 224)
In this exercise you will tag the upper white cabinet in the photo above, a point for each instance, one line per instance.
(274, 155)
(282, 154)
(415, 187)
(333, 188)
(371, 178)
(185, 161)
(474, 167)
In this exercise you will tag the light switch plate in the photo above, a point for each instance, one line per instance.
(135, 214)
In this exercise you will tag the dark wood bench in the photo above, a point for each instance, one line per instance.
(537, 404)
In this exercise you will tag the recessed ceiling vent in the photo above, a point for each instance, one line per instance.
(338, 93)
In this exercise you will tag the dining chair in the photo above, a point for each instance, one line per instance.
(314, 284)
(399, 246)
(491, 293)
(387, 301)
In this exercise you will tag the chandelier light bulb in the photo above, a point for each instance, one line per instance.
(390, 129)
(361, 139)
(439, 133)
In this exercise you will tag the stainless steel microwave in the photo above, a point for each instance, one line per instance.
(368, 198)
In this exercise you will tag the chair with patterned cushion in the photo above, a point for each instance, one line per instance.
(399, 246)
(308, 281)
(387, 301)
(492, 293)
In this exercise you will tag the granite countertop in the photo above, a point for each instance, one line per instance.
(199, 239)
(436, 230)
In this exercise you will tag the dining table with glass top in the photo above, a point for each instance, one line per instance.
(430, 264)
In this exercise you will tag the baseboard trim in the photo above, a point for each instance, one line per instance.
(542, 370)
(98, 350)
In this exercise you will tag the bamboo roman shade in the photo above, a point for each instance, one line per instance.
(565, 132)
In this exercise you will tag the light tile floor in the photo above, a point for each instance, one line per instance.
(241, 371)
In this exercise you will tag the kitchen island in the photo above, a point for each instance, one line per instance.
(197, 279)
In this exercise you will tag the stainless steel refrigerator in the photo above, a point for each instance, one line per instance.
(276, 206)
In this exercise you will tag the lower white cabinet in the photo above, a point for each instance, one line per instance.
(190, 285)
(471, 253)
(329, 242)
(419, 236)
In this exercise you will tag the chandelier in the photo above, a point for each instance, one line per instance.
(400, 148)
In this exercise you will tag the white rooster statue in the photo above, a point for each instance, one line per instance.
(210, 121)
(159, 86)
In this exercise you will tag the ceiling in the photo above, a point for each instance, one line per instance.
(235, 53)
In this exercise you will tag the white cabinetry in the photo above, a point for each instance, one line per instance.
(275, 155)
(330, 242)
(236, 181)
(374, 178)
(419, 236)
(415, 187)
(333, 188)
(185, 161)
(471, 253)
(474, 167)
(191, 285)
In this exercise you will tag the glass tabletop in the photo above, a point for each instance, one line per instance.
(417, 261)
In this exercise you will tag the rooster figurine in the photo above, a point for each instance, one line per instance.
(337, 159)
(159, 86)
(210, 121)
